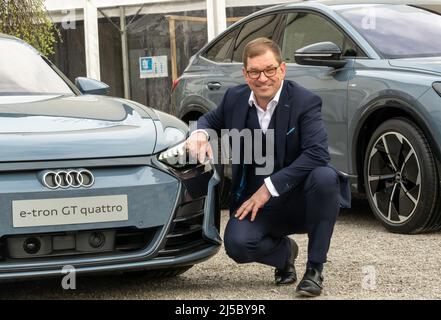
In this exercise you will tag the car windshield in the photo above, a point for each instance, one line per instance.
(24, 72)
(397, 31)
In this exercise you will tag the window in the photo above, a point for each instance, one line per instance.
(397, 31)
(221, 50)
(267, 26)
(303, 29)
(24, 72)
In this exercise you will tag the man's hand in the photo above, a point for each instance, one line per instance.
(198, 146)
(254, 203)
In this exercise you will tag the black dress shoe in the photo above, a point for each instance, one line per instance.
(288, 274)
(311, 284)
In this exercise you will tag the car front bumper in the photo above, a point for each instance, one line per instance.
(173, 220)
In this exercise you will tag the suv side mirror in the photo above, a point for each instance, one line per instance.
(91, 86)
(320, 54)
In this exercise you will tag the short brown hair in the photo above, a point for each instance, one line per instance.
(258, 47)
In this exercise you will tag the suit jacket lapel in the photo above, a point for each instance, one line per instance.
(240, 112)
(282, 122)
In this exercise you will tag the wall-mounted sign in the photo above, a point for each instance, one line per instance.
(153, 67)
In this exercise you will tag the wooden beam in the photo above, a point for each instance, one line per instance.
(234, 19)
(184, 18)
(174, 66)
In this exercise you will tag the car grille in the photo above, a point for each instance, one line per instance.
(2, 250)
(133, 239)
(185, 234)
(70, 243)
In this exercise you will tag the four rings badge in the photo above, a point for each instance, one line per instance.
(71, 178)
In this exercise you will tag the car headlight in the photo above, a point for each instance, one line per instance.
(175, 156)
(179, 158)
(437, 87)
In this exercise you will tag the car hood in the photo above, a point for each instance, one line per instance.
(432, 64)
(74, 127)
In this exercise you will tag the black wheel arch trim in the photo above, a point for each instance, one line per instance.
(195, 104)
(391, 104)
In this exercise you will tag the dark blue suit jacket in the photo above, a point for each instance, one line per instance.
(300, 136)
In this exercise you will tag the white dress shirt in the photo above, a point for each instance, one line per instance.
(264, 117)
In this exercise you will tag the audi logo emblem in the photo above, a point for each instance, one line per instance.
(67, 179)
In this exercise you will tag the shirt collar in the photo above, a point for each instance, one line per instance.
(271, 104)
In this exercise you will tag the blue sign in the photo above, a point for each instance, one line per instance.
(153, 67)
(146, 64)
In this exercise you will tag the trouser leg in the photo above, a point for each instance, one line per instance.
(322, 206)
(247, 241)
(311, 208)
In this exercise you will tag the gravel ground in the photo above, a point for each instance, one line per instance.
(365, 262)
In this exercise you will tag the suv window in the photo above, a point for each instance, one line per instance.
(302, 29)
(221, 51)
(398, 31)
(261, 27)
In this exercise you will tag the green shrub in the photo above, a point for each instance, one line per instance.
(29, 21)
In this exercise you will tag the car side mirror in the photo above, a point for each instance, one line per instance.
(320, 54)
(91, 86)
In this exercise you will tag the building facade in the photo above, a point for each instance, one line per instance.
(139, 47)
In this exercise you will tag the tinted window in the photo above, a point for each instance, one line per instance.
(397, 31)
(260, 27)
(23, 71)
(221, 51)
(303, 29)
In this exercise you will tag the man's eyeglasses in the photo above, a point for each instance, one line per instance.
(269, 72)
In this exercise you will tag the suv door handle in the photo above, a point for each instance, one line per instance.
(214, 85)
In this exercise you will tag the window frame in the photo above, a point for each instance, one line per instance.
(333, 23)
(230, 51)
(281, 32)
(277, 33)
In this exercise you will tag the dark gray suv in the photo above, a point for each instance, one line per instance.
(377, 68)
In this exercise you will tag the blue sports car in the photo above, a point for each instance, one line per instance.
(86, 181)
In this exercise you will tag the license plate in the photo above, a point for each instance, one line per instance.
(62, 211)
